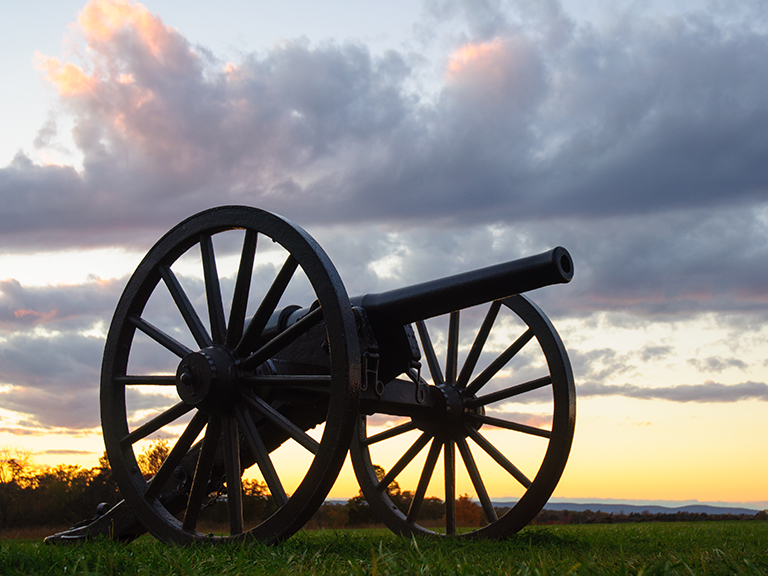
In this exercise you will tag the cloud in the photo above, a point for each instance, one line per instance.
(54, 379)
(504, 73)
(22, 431)
(600, 364)
(536, 420)
(664, 265)
(649, 353)
(717, 364)
(66, 452)
(51, 345)
(529, 124)
(55, 307)
(63, 391)
(707, 392)
(638, 146)
(638, 143)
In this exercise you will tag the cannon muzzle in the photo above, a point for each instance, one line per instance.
(429, 299)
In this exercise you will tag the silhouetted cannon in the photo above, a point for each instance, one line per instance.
(281, 393)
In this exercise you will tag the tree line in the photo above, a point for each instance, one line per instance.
(55, 496)
(598, 517)
(66, 495)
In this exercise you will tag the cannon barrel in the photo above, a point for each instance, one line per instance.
(436, 297)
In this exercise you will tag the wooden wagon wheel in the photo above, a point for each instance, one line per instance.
(224, 384)
(471, 415)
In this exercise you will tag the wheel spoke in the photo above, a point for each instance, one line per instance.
(202, 473)
(160, 337)
(405, 459)
(449, 459)
(429, 352)
(233, 473)
(426, 476)
(477, 345)
(391, 433)
(283, 339)
(213, 290)
(509, 425)
(176, 455)
(259, 451)
(174, 412)
(267, 307)
(494, 453)
(242, 289)
(509, 392)
(499, 363)
(155, 380)
(185, 307)
(477, 481)
(452, 357)
(280, 421)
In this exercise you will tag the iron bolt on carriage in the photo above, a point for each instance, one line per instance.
(265, 386)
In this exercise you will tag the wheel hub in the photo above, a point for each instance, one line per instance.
(207, 379)
(453, 405)
(449, 415)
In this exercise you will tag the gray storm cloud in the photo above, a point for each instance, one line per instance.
(535, 120)
(707, 392)
(23, 307)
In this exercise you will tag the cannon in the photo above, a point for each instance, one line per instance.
(272, 372)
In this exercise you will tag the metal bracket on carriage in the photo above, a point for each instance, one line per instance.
(422, 388)
(118, 523)
(370, 372)
(398, 395)
(369, 352)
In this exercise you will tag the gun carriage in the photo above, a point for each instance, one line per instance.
(257, 385)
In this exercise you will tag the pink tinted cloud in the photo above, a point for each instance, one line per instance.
(34, 315)
(69, 79)
(115, 32)
(102, 20)
(129, 56)
(503, 71)
(146, 100)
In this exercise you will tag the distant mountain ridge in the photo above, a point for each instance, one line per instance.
(622, 508)
(634, 508)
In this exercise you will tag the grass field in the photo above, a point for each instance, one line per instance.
(650, 548)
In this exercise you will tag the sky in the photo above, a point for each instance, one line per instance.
(414, 140)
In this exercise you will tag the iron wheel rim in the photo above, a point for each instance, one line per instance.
(344, 368)
(548, 474)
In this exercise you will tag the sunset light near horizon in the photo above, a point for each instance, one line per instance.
(451, 137)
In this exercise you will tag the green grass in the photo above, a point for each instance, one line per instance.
(679, 548)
